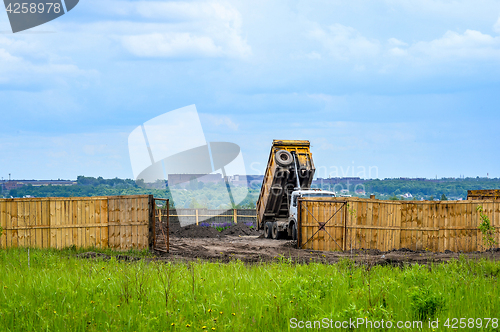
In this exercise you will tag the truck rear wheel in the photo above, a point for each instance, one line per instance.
(268, 230)
(276, 233)
(283, 158)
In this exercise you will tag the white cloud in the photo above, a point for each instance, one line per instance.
(349, 45)
(189, 11)
(471, 44)
(344, 43)
(396, 51)
(171, 45)
(496, 26)
(396, 42)
(25, 61)
(462, 10)
(7, 59)
(218, 120)
(189, 29)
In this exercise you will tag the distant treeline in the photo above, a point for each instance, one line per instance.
(115, 183)
(418, 188)
(89, 186)
(451, 188)
(386, 188)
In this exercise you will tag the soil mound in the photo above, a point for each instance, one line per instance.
(240, 229)
(194, 231)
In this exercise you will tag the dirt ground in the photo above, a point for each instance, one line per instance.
(249, 245)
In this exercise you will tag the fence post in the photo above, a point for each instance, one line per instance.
(196, 217)
(235, 215)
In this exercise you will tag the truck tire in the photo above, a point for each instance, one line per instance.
(283, 158)
(276, 233)
(294, 232)
(268, 230)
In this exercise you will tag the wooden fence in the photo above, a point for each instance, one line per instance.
(487, 194)
(353, 223)
(197, 216)
(117, 222)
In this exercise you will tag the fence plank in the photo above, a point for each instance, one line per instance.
(3, 224)
(105, 221)
(496, 220)
(112, 221)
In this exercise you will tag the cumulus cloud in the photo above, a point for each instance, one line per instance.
(344, 43)
(26, 61)
(348, 44)
(496, 26)
(396, 42)
(396, 51)
(218, 121)
(171, 45)
(471, 44)
(188, 29)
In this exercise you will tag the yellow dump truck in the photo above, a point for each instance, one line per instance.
(289, 174)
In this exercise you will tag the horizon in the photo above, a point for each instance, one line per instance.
(315, 178)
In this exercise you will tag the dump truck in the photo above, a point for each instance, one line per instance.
(289, 174)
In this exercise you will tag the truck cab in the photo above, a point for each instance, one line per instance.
(312, 193)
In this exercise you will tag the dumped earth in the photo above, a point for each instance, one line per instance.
(245, 243)
(194, 231)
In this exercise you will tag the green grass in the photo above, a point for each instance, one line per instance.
(60, 292)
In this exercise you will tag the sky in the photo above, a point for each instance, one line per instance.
(381, 89)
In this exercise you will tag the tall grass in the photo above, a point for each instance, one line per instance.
(60, 292)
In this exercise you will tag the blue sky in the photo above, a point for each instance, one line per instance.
(393, 88)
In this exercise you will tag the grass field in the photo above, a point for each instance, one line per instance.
(60, 292)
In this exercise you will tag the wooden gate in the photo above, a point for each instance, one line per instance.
(322, 224)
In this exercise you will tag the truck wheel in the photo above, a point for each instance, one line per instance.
(268, 230)
(276, 234)
(283, 158)
(294, 232)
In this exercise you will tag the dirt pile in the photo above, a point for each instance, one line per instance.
(241, 229)
(194, 231)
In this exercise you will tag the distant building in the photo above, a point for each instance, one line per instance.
(337, 180)
(184, 179)
(246, 180)
(16, 184)
(235, 180)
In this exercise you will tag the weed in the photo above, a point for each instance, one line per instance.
(165, 273)
(487, 230)
(425, 303)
